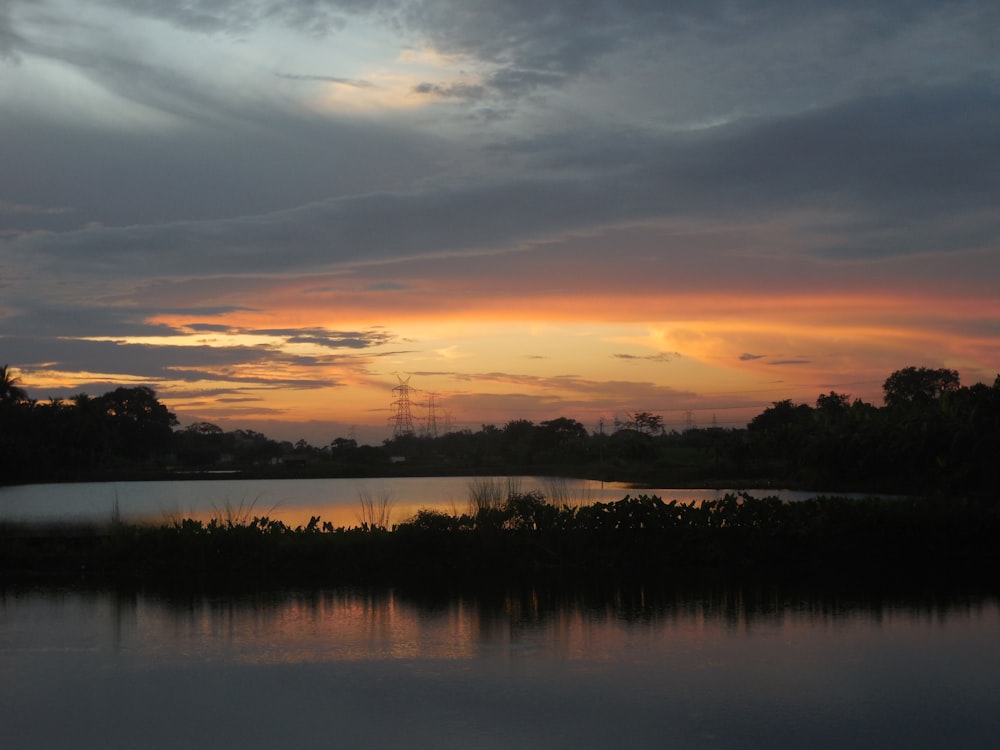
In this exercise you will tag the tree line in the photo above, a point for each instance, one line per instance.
(930, 435)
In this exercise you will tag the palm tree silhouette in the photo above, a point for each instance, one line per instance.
(10, 391)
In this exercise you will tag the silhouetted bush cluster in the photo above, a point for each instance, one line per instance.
(525, 535)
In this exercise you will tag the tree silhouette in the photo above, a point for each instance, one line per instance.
(140, 425)
(644, 422)
(918, 385)
(932, 436)
(10, 391)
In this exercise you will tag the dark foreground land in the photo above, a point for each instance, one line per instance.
(912, 542)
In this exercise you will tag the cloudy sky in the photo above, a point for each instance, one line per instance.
(270, 210)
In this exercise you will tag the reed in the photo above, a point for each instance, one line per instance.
(491, 493)
(558, 493)
(242, 513)
(375, 511)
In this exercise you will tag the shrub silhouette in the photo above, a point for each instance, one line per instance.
(635, 536)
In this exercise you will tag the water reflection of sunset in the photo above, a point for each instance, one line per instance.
(531, 667)
(348, 626)
(383, 625)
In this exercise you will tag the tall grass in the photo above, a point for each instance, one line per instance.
(375, 509)
(239, 514)
(491, 493)
(558, 493)
(557, 490)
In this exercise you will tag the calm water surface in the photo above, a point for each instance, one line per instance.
(295, 500)
(380, 669)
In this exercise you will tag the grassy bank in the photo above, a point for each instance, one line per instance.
(523, 535)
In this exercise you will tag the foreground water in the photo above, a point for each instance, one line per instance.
(381, 669)
(294, 501)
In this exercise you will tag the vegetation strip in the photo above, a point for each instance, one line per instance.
(524, 534)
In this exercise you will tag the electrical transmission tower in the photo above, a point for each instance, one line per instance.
(432, 425)
(402, 421)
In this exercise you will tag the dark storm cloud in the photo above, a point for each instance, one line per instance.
(317, 17)
(452, 91)
(82, 318)
(330, 339)
(52, 344)
(128, 359)
(925, 148)
(529, 47)
(530, 51)
(174, 363)
(518, 82)
(913, 172)
(488, 24)
(895, 165)
(263, 162)
(10, 41)
(532, 47)
(366, 228)
(934, 146)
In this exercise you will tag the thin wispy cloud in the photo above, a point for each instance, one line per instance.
(355, 82)
(658, 357)
(6, 207)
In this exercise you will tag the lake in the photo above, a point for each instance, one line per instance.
(358, 668)
(294, 501)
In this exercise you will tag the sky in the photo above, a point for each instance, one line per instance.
(275, 211)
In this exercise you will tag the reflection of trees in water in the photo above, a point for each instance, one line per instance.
(124, 616)
(567, 621)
